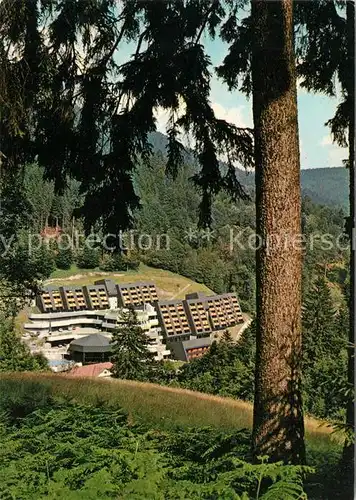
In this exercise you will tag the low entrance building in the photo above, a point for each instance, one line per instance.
(91, 349)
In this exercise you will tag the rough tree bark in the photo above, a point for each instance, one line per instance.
(278, 427)
(347, 462)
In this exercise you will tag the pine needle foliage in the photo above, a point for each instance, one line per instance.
(70, 100)
(325, 352)
(131, 357)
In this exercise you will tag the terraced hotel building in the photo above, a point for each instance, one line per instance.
(72, 298)
(137, 294)
(189, 322)
(173, 319)
(199, 315)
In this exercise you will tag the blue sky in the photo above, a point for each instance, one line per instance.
(316, 147)
(314, 110)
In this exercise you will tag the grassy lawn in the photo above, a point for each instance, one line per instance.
(66, 273)
(166, 407)
(168, 284)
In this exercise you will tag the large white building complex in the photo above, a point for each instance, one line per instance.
(72, 313)
(181, 329)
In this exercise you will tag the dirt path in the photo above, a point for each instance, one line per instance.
(181, 291)
(75, 277)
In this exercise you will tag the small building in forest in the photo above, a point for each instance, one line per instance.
(187, 350)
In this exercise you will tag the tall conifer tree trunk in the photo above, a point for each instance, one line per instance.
(349, 449)
(278, 428)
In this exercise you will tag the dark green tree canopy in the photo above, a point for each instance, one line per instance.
(70, 99)
(79, 110)
(130, 355)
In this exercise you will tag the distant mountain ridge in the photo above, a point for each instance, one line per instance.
(325, 186)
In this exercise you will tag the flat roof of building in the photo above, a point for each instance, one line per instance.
(209, 298)
(195, 295)
(49, 288)
(170, 302)
(196, 343)
(75, 331)
(66, 314)
(110, 286)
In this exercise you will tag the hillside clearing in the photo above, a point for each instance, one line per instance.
(169, 285)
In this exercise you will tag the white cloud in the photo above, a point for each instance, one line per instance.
(326, 141)
(336, 154)
(233, 115)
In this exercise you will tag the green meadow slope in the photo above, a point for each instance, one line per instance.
(165, 407)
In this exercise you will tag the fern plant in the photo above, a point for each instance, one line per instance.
(70, 452)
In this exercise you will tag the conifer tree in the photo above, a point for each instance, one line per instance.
(64, 258)
(14, 354)
(227, 338)
(324, 352)
(278, 429)
(320, 332)
(88, 258)
(247, 343)
(261, 62)
(326, 49)
(130, 355)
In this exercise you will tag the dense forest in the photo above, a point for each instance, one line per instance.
(71, 108)
(222, 258)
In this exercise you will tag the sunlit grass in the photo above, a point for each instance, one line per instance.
(166, 407)
(168, 284)
(65, 273)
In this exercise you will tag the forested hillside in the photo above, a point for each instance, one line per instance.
(326, 186)
(222, 258)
